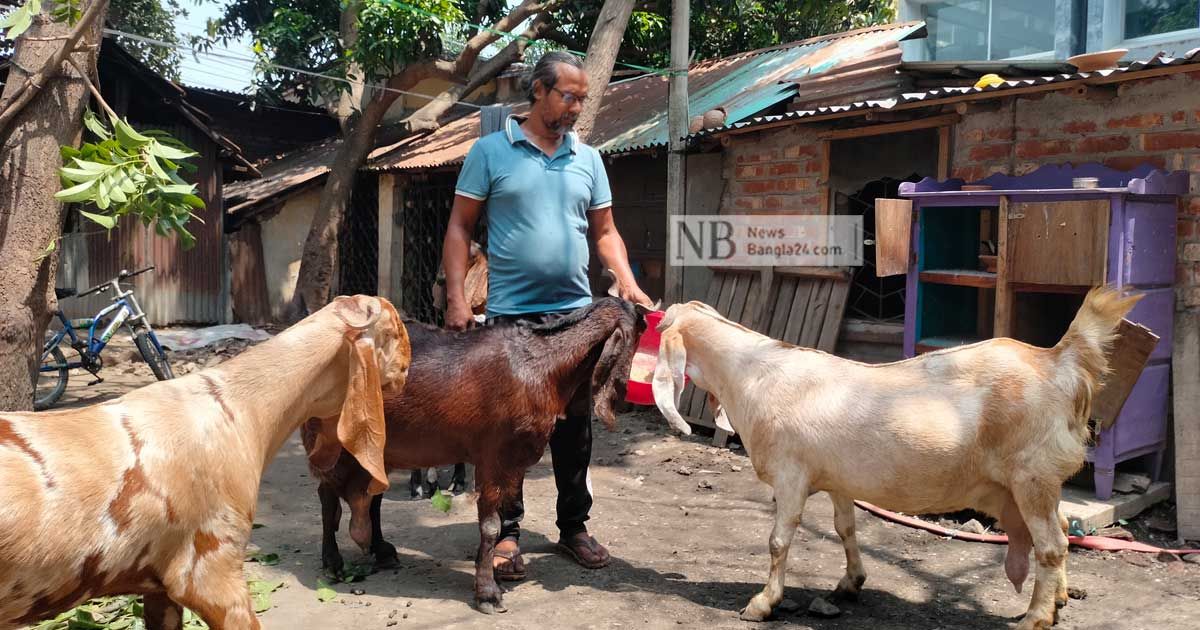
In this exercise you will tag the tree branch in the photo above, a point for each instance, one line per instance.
(470, 54)
(92, 88)
(426, 118)
(52, 68)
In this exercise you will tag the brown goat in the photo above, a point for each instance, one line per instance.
(489, 396)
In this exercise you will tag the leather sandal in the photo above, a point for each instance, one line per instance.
(513, 567)
(585, 550)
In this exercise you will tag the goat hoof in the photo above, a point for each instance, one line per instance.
(490, 608)
(385, 555)
(755, 611)
(332, 564)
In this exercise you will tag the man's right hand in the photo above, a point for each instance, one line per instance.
(459, 316)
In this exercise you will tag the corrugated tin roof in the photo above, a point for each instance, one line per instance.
(633, 115)
(281, 176)
(934, 96)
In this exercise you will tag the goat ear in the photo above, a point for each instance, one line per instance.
(324, 449)
(668, 379)
(612, 373)
(361, 428)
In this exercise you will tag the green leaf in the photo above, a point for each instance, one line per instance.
(169, 153)
(324, 593)
(127, 135)
(156, 168)
(262, 586)
(78, 175)
(441, 501)
(94, 125)
(195, 202)
(18, 21)
(114, 188)
(102, 199)
(75, 194)
(104, 220)
(93, 167)
(262, 602)
(46, 252)
(178, 189)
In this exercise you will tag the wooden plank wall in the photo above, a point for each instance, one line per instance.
(800, 306)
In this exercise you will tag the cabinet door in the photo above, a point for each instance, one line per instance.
(1058, 242)
(893, 236)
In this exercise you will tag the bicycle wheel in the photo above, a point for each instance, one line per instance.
(51, 380)
(154, 356)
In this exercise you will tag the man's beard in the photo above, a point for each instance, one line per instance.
(561, 125)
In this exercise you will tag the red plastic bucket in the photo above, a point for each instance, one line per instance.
(638, 389)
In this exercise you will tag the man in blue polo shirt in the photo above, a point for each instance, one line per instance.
(546, 193)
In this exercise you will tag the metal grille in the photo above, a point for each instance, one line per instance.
(871, 297)
(427, 202)
(358, 240)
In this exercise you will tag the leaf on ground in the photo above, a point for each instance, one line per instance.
(265, 559)
(324, 592)
(441, 501)
(258, 526)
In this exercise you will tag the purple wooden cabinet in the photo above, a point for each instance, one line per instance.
(952, 300)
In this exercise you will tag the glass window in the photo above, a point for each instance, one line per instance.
(1151, 17)
(960, 30)
(1022, 27)
(957, 30)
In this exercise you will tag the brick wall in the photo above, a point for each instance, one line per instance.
(1153, 120)
(775, 171)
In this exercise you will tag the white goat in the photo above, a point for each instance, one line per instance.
(997, 426)
(154, 493)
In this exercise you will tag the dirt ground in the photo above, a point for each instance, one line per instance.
(688, 551)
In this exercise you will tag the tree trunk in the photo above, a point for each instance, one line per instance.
(30, 216)
(319, 261)
(601, 56)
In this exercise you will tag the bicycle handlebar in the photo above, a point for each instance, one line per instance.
(121, 276)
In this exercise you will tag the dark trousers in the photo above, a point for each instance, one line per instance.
(570, 451)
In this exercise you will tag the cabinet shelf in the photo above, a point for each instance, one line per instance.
(960, 277)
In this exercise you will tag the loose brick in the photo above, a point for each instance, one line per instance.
(1191, 252)
(1031, 149)
(1193, 206)
(1080, 126)
(1103, 144)
(813, 166)
(985, 152)
(1170, 140)
(1137, 121)
(1130, 162)
(974, 136)
(1191, 297)
(1178, 117)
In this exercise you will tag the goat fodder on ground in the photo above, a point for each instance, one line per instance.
(995, 426)
(490, 397)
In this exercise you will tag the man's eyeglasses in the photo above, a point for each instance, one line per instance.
(569, 98)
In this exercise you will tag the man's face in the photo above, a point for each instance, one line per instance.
(559, 106)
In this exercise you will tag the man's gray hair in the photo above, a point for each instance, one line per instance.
(546, 70)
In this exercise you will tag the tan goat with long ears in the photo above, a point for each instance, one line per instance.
(154, 493)
(997, 426)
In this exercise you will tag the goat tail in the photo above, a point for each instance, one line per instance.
(1083, 348)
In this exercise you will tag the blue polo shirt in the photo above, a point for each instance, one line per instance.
(537, 207)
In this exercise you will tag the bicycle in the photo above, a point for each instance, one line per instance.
(54, 370)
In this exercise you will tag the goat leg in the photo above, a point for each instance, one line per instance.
(458, 481)
(160, 613)
(487, 592)
(843, 519)
(790, 497)
(384, 551)
(331, 517)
